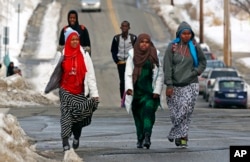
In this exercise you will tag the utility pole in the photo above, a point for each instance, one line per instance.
(18, 21)
(227, 35)
(201, 22)
(0, 48)
(172, 2)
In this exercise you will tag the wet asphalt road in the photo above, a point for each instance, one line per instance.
(111, 136)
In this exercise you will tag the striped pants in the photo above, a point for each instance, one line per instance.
(74, 109)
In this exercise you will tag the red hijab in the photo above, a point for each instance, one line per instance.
(74, 68)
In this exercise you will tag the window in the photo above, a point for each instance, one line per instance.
(215, 64)
(216, 74)
(236, 85)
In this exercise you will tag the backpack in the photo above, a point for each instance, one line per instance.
(132, 37)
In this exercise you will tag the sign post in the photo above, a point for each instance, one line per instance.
(6, 38)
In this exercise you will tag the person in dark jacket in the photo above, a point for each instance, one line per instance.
(81, 29)
(10, 70)
(184, 61)
(120, 46)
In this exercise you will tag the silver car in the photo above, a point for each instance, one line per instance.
(91, 5)
(211, 64)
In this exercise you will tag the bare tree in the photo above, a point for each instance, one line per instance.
(243, 4)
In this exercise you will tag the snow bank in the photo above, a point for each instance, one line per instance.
(17, 92)
(15, 145)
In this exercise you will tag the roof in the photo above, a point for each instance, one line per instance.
(230, 78)
(224, 69)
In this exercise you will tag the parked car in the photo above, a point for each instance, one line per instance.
(91, 5)
(211, 64)
(218, 72)
(228, 91)
(202, 81)
(209, 55)
(207, 52)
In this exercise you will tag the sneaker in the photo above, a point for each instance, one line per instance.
(75, 143)
(183, 143)
(65, 143)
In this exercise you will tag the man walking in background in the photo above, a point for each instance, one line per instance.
(120, 46)
(81, 29)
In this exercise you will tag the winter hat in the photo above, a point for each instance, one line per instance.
(68, 31)
(185, 26)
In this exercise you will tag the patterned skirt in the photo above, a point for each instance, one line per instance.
(75, 108)
(181, 105)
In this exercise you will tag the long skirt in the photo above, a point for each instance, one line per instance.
(181, 105)
(143, 110)
(76, 112)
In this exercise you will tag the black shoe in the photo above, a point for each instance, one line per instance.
(139, 144)
(65, 143)
(170, 139)
(66, 148)
(147, 142)
(75, 143)
(178, 141)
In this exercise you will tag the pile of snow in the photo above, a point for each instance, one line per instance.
(15, 145)
(17, 92)
(71, 156)
(9, 18)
